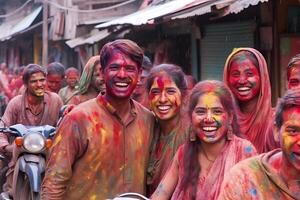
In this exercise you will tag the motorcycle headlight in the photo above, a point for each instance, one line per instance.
(34, 142)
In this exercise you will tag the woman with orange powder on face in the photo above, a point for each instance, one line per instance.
(213, 147)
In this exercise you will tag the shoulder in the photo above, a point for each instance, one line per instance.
(245, 145)
(242, 180)
(15, 102)
(86, 108)
(14, 106)
(51, 95)
(62, 91)
(142, 109)
(53, 98)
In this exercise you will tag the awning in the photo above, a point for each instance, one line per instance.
(233, 6)
(9, 29)
(240, 5)
(180, 9)
(147, 15)
(91, 38)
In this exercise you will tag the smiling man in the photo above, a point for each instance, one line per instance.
(276, 174)
(102, 146)
(34, 107)
(293, 73)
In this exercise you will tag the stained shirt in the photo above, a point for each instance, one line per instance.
(255, 179)
(163, 150)
(208, 187)
(97, 155)
(18, 112)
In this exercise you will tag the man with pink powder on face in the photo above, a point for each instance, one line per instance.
(293, 72)
(276, 174)
(101, 148)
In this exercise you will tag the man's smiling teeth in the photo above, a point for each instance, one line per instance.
(242, 89)
(163, 108)
(209, 128)
(120, 84)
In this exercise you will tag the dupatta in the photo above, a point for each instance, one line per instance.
(257, 126)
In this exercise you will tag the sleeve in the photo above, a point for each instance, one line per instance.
(68, 146)
(7, 119)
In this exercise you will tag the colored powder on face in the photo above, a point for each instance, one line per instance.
(292, 156)
(160, 83)
(217, 122)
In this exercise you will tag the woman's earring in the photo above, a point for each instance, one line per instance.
(192, 135)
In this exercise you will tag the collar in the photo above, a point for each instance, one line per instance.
(26, 101)
(103, 101)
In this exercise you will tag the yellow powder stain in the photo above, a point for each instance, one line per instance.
(57, 140)
(93, 197)
(287, 140)
(104, 135)
(210, 100)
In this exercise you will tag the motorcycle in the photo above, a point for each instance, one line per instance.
(33, 143)
(3, 169)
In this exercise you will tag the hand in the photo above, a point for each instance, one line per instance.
(9, 148)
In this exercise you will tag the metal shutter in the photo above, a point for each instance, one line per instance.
(218, 42)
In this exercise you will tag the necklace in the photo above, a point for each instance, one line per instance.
(206, 156)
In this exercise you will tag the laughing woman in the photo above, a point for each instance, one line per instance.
(246, 74)
(167, 88)
(199, 165)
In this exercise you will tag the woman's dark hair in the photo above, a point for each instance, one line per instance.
(175, 72)
(32, 69)
(290, 99)
(56, 68)
(127, 47)
(191, 165)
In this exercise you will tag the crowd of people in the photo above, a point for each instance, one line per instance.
(134, 127)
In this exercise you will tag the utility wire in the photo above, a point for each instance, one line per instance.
(67, 8)
(15, 11)
(87, 11)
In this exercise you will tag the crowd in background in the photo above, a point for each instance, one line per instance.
(193, 136)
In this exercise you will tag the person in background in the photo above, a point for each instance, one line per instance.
(276, 174)
(102, 146)
(34, 107)
(246, 74)
(139, 94)
(199, 166)
(91, 82)
(167, 89)
(293, 72)
(55, 76)
(72, 78)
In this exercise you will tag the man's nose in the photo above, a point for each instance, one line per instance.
(121, 72)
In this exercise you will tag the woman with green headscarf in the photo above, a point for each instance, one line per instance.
(91, 82)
